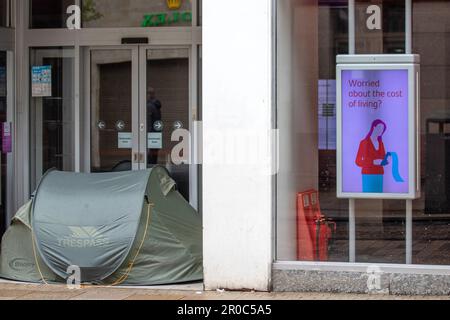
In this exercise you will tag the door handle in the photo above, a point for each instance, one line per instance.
(138, 157)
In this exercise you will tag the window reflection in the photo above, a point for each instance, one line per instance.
(111, 13)
(136, 13)
(47, 14)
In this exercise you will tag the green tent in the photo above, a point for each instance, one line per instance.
(128, 228)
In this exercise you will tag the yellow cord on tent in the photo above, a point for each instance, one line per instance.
(133, 261)
(36, 257)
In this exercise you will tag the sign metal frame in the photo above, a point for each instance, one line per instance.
(411, 63)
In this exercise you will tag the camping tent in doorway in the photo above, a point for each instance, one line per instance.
(129, 228)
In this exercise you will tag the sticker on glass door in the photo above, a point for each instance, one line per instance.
(125, 140)
(155, 140)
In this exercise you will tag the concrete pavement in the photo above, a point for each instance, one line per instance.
(18, 291)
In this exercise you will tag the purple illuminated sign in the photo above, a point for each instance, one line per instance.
(375, 132)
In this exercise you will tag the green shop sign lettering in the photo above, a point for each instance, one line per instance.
(161, 19)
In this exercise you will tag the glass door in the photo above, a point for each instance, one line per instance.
(114, 105)
(165, 104)
(140, 111)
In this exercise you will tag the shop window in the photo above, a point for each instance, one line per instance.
(380, 224)
(307, 128)
(431, 218)
(47, 14)
(136, 13)
(51, 111)
(312, 223)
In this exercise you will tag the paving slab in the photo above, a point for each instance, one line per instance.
(20, 291)
(13, 294)
(104, 294)
(47, 295)
(155, 297)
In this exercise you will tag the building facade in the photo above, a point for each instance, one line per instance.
(251, 85)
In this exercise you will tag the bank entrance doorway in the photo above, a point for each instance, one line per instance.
(139, 98)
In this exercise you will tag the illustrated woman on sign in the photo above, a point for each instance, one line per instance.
(372, 158)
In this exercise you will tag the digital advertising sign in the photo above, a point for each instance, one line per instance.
(378, 127)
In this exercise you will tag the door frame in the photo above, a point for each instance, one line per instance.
(139, 102)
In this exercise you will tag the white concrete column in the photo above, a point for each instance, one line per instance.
(237, 146)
